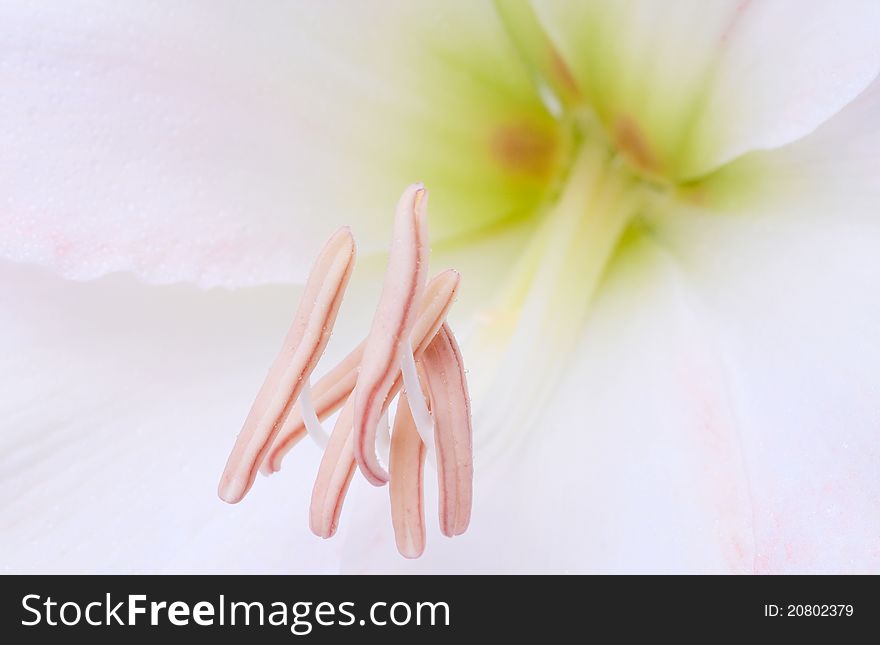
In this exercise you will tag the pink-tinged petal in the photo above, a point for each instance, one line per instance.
(392, 325)
(302, 348)
(781, 248)
(406, 484)
(334, 476)
(204, 141)
(334, 388)
(450, 405)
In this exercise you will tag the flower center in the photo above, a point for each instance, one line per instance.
(612, 180)
(526, 335)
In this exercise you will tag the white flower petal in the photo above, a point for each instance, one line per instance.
(828, 178)
(214, 143)
(685, 86)
(120, 404)
(782, 248)
(798, 308)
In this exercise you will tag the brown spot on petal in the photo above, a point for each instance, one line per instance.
(633, 144)
(524, 149)
(561, 74)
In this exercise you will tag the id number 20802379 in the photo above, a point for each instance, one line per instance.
(803, 610)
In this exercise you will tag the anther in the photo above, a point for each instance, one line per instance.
(392, 325)
(303, 346)
(410, 347)
(451, 408)
(332, 390)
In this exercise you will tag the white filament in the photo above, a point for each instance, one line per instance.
(383, 439)
(310, 417)
(416, 398)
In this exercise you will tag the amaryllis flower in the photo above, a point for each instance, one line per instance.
(665, 218)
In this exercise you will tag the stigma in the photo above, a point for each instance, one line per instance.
(409, 355)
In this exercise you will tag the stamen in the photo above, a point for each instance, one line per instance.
(330, 487)
(406, 489)
(303, 346)
(419, 409)
(334, 476)
(409, 344)
(310, 418)
(450, 405)
(392, 325)
(331, 391)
